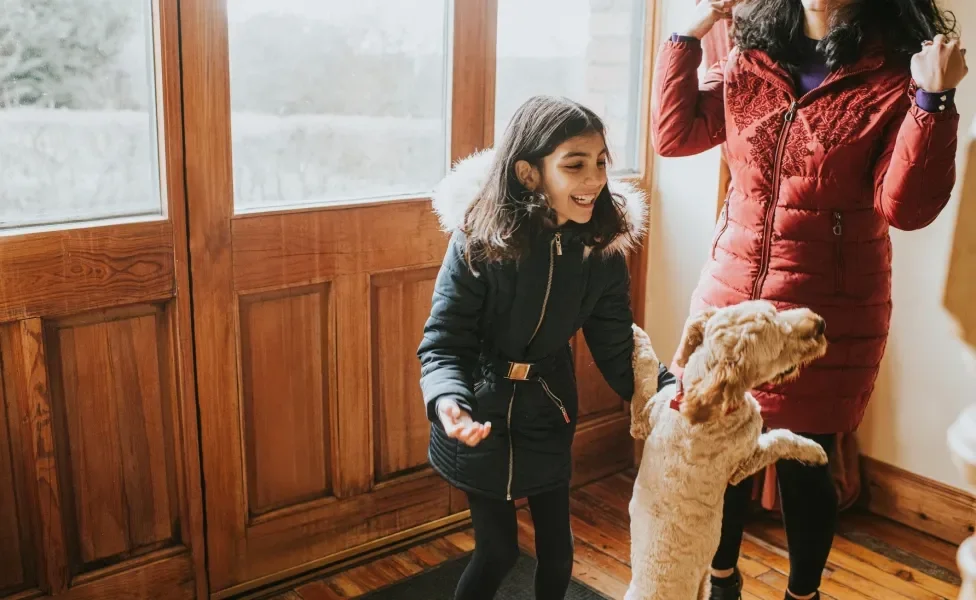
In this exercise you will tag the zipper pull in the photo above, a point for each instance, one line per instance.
(791, 113)
(559, 243)
(838, 224)
(565, 414)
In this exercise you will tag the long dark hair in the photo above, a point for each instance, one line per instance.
(501, 222)
(776, 27)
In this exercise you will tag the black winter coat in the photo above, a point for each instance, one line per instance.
(480, 323)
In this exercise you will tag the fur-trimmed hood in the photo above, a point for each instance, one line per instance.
(455, 193)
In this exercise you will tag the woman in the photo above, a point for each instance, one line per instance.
(537, 252)
(838, 123)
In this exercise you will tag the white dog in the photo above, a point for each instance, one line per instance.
(710, 435)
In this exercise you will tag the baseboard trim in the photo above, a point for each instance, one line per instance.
(941, 511)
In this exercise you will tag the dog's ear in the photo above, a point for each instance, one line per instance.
(711, 394)
(693, 335)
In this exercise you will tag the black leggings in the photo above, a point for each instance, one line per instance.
(809, 505)
(496, 546)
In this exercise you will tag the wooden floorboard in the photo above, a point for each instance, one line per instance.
(872, 558)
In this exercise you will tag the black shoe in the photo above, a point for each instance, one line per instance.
(788, 597)
(727, 588)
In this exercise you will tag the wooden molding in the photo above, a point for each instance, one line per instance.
(917, 502)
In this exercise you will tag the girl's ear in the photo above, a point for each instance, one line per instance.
(528, 175)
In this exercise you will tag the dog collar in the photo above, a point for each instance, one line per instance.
(679, 395)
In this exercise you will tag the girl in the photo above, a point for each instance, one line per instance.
(537, 252)
(838, 122)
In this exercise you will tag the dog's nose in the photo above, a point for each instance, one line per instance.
(821, 326)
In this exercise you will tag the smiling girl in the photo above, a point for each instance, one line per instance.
(537, 252)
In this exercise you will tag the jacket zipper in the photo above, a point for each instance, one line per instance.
(838, 251)
(555, 249)
(771, 209)
(725, 223)
(555, 400)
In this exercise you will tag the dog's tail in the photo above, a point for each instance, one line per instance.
(646, 365)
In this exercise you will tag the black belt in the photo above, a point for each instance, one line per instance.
(523, 371)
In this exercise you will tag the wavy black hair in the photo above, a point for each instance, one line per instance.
(500, 223)
(776, 27)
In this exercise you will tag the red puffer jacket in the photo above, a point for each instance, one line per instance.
(816, 183)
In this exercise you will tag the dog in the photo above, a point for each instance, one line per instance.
(706, 432)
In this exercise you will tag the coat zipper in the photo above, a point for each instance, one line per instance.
(555, 249)
(838, 251)
(771, 209)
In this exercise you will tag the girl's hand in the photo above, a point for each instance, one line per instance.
(459, 425)
(940, 66)
(707, 14)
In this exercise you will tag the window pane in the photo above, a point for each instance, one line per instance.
(77, 112)
(336, 100)
(591, 53)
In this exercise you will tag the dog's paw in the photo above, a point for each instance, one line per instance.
(811, 453)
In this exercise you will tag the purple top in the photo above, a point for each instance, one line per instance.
(813, 70)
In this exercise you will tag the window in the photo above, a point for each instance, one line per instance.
(336, 101)
(589, 51)
(77, 112)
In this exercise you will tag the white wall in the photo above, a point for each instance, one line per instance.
(682, 216)
(924, 382)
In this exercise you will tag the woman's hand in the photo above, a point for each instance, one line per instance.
(940, 66)
(707, 14)
(459, 425)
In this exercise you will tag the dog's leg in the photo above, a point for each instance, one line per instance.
(645, 364)
(705, 590)
(776, 445)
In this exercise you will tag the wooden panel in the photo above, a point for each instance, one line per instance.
(288, 379)
(26, 384)
(920, 503)
(302, 247)
(355, 445)
(68, 272)
(603, 446)
(595, 395)
(473, 93)
(172, 175)
(110, 379)
(17, 564)
(400, 306)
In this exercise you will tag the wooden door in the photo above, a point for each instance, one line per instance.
(99, 472)
(314, 252)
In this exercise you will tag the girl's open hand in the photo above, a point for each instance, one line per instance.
(459, 425)
(707, 14)
(940, 66)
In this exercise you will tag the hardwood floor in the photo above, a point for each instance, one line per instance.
(871, 559)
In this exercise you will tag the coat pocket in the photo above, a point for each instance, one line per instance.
(838, 235)
(723, 222)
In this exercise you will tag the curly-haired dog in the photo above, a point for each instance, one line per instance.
(700, 440)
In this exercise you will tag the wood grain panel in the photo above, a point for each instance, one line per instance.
(25, 380)
(603, 446)
(16, 548)
(400, 305)
(110, 379)
(302, 247)
(354, 465)
(68, 272)
(596, 397)
(287, 346)
(918, 502)
(473, 84)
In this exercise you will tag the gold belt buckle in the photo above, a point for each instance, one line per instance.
(519, 371)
